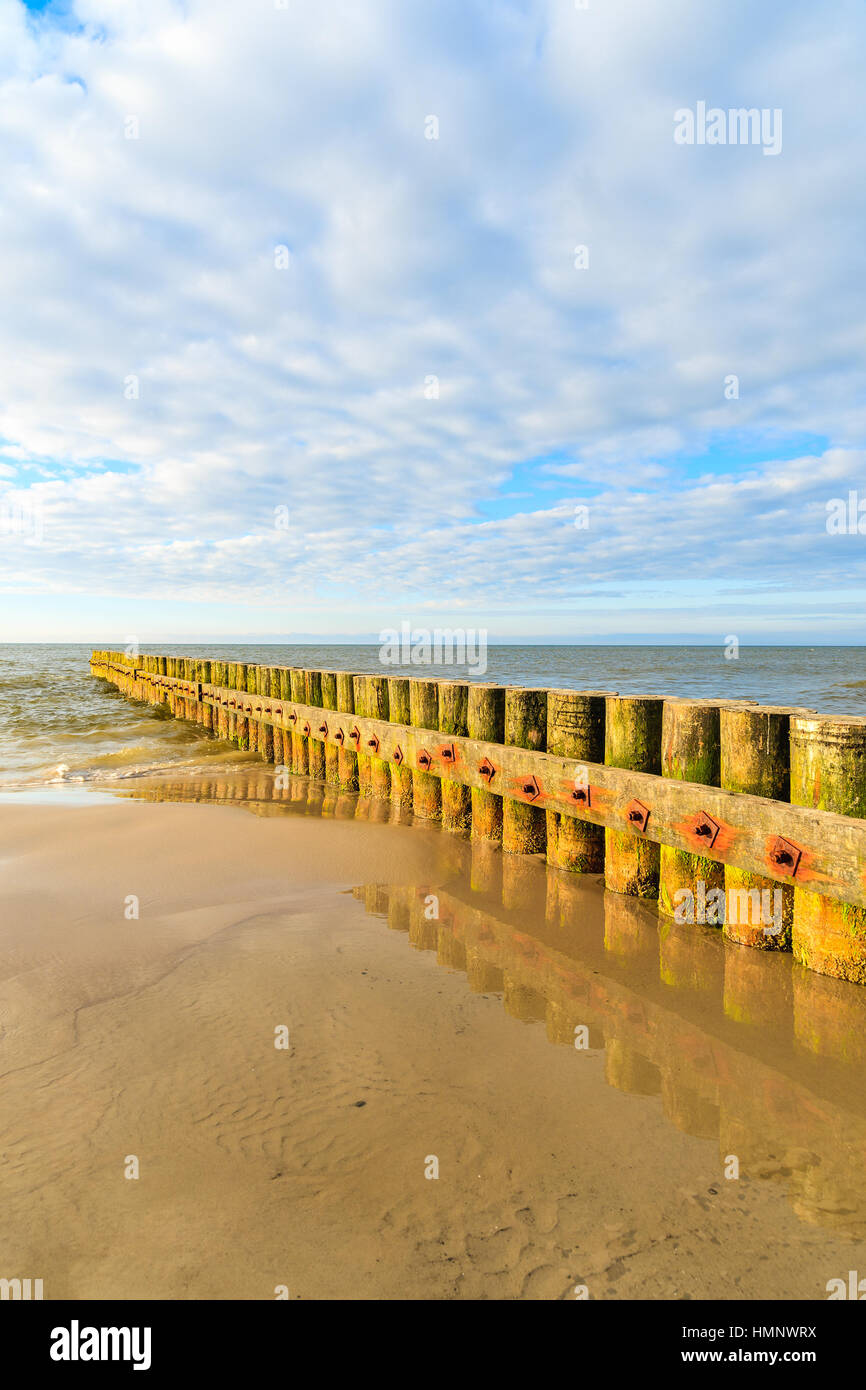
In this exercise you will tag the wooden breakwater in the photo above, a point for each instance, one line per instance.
(749, 817)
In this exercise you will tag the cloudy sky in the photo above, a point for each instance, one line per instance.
(318, 318)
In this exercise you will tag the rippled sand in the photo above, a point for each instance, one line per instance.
(431, 992)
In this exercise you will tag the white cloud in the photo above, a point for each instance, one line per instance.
(153, 258)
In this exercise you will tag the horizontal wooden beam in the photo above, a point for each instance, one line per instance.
(815, 850)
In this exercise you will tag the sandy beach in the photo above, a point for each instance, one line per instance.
(411, 1037)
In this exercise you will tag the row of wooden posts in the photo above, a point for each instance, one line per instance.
(666, 797)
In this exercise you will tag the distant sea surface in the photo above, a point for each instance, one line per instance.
(59, 725)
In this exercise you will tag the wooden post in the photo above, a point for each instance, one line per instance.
(377, 707)
(316, 749)
(828, 771)
(203, 674)
(252, 721)
(632, 739)
(399, 713)
(332, 753)
(347, 761)
(266, 731)
(755, 758)
(575, 729)
(359, 690)
(424, 714)
(524, 829)
(453, 719)
(485, 719)
(242, 724)
(300, 759)
(691, 752)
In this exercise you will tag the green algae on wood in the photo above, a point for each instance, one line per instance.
(424, 714)
(632, 739)
(315, 747)
(453, 712)
(485, 718)
(828, 772)
(347, 759)
(575, 729)
(376, 706)
(524, 827)
(399, 713)
(755, 758)
(691, 752)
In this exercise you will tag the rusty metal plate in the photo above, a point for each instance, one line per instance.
(355, 735)
(448, 753)
(582, 796)
(637, 815)
(323, 729)
(397, 755)
(373, 743)
(487, 770)
(307, 730)
(531, 788)
(339, 736)
(784, 855)
(424, 759)
(706, 830)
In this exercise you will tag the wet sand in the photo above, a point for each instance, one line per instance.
(431, 992)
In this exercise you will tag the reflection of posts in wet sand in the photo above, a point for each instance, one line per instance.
(829, 1016)
(562, 1020)
(691, 957)
(687, 1110)
(523, 880)
(423, 921)
(572, 913)
(631, 929)
(628, 1071)
(757, 988)
(723, 1059)
(523, 1002)
(485, 871)
(399, 906)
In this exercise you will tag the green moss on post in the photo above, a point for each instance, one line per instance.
(300, 759)
(332, 753)
(266, 731)
(755, 758)
(691, 752)
(633, 731)
(485, 720)
(241, 720)
(252, 721)
(424, 714)
(828, 771)
(453, 719)
(524, 827)
(347, 760)
(399, 713)
(575, 729)
(377, 707)
(316, 748)
(359, 695)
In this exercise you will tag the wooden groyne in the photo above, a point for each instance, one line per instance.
(745, 816)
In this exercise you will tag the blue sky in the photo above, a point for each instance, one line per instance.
(396, 418)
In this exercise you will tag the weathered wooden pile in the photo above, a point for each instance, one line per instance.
(668, 798)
